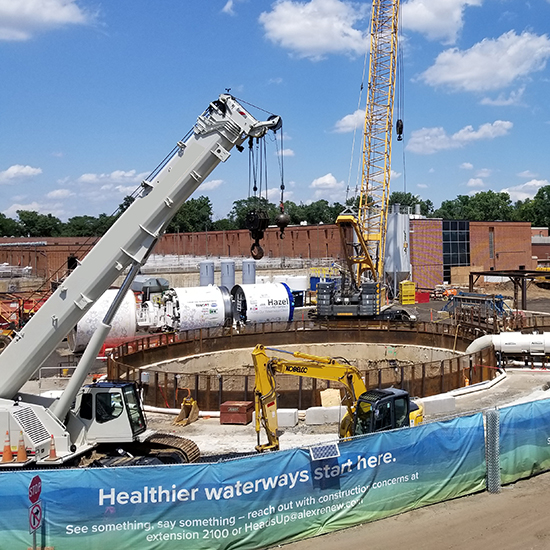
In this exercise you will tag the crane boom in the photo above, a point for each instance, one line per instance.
(223, 125)
(364, 235)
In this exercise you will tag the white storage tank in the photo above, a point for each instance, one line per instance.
(397, 263)
(206, 272)
(263, 303)
(123, 327)
(249, 272)
(202, 307)
(227, 278)
(518, 343)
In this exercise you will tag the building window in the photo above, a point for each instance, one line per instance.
(492, 243)
(456, 246)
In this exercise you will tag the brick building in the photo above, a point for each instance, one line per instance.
(301, 241)
(49, 257)
(426, 251)
(436, 247)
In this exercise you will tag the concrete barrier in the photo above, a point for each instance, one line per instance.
(439, 404)
(287, 418)
(324, 415)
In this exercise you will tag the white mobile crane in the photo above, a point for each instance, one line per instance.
(104, 422)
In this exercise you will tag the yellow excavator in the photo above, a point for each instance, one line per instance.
(368, 411)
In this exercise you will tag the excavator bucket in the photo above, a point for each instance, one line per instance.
(189, 411)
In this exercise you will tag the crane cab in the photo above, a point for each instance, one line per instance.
(111, 412)
(388, 409)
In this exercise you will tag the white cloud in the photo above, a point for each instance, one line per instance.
(21, 19)
(350, 122)
(211, 184)
(490, 64)
(527, 174)
(60, 194)
(466, 166)
(125, 189)
(427, 141)
(286, 153)
(327, 184)
(18, 172)
(475, 182)
(394, 174)
(318, 27)
(274, 195)
(484, 173)
(526, 190)
(514, 98)
(99, 188)
(55, 209)
(421, 186)
(228, 8)
(436, 19)
(115, 177)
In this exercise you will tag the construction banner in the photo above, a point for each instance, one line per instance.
(248, 503)
(524, 440)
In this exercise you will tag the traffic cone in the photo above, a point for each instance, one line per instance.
(7, 455)
(53, 453)
(21, 451)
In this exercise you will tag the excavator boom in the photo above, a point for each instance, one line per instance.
(367, 410)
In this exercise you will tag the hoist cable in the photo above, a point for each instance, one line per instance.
(360, 99)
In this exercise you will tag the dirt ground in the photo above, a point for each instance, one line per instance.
(515, 518)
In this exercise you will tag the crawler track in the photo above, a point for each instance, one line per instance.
(167, 442)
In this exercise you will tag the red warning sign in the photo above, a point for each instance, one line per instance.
(35, 487)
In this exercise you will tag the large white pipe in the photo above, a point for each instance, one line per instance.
(480, 343)
(513, 343)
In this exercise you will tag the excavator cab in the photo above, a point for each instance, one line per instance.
(388, 409)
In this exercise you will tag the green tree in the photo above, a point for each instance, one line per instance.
(295, 211)
(81, 226)
(538, 209)
(455, 209)
(242, 207)
(125, 204)
(34, 224)
(488, 206)
(410, 200)
(319, 212)
(225, 224)
(9, 227)
(194, 215)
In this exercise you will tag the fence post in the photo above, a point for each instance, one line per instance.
(423, 380)
(492, 450)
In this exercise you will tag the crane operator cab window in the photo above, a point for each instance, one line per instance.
(108, 406)
(135, 411)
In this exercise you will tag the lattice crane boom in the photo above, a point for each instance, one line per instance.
(364, 235)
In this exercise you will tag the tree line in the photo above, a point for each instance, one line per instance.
(197, 214)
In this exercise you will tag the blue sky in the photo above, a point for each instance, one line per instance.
(94, 94)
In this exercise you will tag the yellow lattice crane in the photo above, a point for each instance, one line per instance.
(364, 234)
